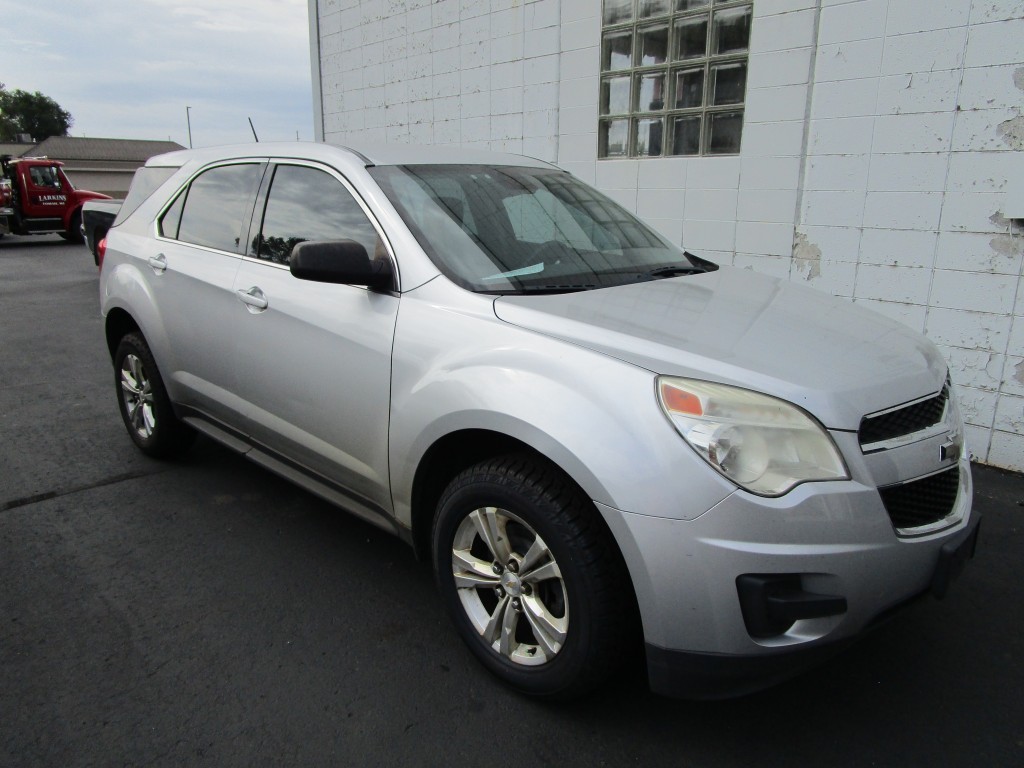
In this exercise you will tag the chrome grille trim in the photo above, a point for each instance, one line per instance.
(931, 412)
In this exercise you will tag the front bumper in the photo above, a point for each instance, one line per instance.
(832, 540)
(717, 676)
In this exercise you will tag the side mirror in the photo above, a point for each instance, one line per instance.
(339, 261)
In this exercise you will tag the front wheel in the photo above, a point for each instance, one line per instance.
(531, 578)
(74, 230)
(143, 401)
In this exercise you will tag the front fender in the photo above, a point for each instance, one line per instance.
(458, 367)
(76, 200)
(69, 217)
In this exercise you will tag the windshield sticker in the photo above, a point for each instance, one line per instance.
(533, 269)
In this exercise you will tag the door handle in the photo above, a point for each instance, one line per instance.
(158, 263)
(253, 299)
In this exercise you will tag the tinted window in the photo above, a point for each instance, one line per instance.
(144, 183)
(217, 207)
(308, 204)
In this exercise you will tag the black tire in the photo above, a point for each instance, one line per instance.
(143, 401)
(534, 507)
(74, 231)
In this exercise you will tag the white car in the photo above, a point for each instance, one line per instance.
(590, 432)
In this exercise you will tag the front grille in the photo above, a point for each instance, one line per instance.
(903, 421)
(922, 502)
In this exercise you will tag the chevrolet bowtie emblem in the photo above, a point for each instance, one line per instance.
(950, 450)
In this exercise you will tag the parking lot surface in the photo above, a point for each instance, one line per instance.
(205, 612)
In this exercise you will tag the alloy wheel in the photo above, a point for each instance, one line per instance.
(510, 586)
(137, 393)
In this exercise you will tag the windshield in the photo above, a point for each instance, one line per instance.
(504, 229)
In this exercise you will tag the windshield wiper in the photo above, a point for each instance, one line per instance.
(557, 288)
(534, 290)
(697, 266)
(674, 270)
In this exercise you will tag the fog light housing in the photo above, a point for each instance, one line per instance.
(773, 603)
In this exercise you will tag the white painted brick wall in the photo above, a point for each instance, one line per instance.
(873, 163)
(906, 168)
(447, 72)
(897, 247)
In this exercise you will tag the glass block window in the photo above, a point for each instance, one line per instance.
(673, 77)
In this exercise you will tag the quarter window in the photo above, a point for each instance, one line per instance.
(214, 211)
(144, 183)
(309, 204)
(673, 77)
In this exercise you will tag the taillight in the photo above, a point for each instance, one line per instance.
(101, 251)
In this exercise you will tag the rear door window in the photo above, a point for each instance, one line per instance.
(216, 208)
(171, 219)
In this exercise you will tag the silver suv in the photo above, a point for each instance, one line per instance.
(589, 432)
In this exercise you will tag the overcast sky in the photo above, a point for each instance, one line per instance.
(127, 68)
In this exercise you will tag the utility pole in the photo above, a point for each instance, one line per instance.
(188, 119)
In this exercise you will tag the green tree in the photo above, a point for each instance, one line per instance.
(31, 113)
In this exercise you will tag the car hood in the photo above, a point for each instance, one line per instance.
(734, 326)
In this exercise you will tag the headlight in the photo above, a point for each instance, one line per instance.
(761, 443)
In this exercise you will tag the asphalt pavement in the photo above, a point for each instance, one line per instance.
(205, 612)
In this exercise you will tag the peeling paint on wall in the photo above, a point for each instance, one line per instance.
(975, 406)
(1006, 245)
(1015, 228)
(999, 220)
(1012, 132)
(983, 369)
(1015, 419)
(1018, 372)
(806, 257)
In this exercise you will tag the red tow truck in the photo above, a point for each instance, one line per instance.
(36, 198)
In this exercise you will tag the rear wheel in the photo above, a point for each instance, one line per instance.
(143, 401)
(530, 577)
